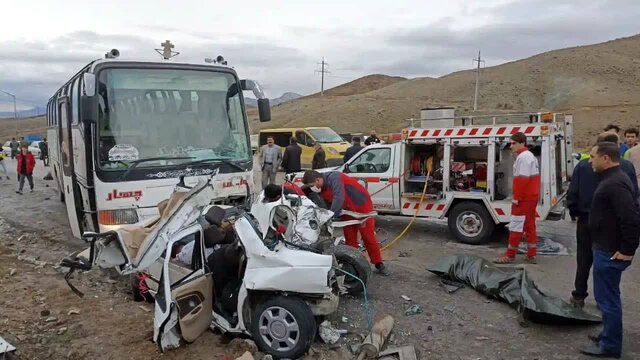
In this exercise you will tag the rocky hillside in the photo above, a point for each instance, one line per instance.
(598, 83)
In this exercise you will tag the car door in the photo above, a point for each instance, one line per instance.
(183, 304)
(373, 167)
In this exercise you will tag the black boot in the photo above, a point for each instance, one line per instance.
(382, 269)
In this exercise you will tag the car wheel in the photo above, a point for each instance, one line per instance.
(283, 327)
(470, 223)
(353, 262)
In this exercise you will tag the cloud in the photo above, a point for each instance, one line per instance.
(285, 59)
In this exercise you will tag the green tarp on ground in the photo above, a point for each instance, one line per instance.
(512, 285)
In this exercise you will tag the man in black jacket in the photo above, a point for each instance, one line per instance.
(583, 185)
(353, 149)
(291, 157)
(319, 157)
(614, 225)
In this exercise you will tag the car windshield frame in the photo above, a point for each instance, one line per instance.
(321, 135)
(139, 100)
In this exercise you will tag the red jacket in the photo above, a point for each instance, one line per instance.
(345, 193)
(526, 177)
(31, 163)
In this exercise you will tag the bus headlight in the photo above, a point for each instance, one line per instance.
(117, 217)
(332, 151)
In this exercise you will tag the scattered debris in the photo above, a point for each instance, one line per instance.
(144, 308)
(375, 340)
(5, 347)
(430, 328)
(62, 330)
(20, 238)
(48, 176)
(328, 333)
(51, 319)
(450, 308)
(399, 353)
(73, 312)
(404, 254)
(345, 319)
(246, 356)
(481, 338)
(405, 297)
(12, 272)
(413, 310)
(237, 347)
(45, 312)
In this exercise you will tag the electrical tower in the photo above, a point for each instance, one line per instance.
(475, 96)
(323, 70)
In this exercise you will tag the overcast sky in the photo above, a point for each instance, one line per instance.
(279, 43)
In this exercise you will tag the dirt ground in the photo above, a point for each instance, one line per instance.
(43, 318)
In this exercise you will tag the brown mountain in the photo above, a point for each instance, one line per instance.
(598, 83)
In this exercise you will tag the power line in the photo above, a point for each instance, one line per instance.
(475, 96)
(323, 70)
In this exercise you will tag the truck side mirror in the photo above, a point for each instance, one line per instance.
(264, 110)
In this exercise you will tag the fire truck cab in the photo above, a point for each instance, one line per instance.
(467, 167)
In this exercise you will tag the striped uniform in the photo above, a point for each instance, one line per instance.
(526, 190)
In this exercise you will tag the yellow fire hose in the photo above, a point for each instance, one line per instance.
(415, 215)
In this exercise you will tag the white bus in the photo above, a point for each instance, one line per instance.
(122, 133)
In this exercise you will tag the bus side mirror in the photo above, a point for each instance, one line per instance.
(88, 109)
(264, 110)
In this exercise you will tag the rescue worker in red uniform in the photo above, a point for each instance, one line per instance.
(346, 193)
(526, 191)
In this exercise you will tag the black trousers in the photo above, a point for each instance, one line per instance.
(584, 258)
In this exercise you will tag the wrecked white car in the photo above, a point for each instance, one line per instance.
(216, 266)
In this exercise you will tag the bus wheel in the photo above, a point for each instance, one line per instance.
(470, 223)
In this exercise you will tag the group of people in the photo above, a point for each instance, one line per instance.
(603, 198)
(25, 161)
(272, 157)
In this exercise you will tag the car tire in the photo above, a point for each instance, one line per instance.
(274, 323)
(352, 261)
(470, 223)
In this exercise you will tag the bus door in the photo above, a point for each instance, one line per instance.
(66, 160)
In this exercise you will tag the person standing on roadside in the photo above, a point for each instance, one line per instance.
(526, 190)
(2, 165)
(270, 158)
(579, 196)
(372, 139)
(353, 149)
(291, 157)
(14, 145)
(26, 163)
(614, 225)
(319, 157)
(44, 151)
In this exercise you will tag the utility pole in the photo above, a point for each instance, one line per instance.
(15, 111)
(475, 96)
(323, 70)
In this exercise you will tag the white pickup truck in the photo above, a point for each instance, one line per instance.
(469, 172)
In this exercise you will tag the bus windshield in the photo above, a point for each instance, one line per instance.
(170, 117)
(325, 135)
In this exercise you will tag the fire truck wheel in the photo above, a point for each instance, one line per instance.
(470, 223)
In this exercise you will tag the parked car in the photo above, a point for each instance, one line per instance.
(6, 149)
(34, 148)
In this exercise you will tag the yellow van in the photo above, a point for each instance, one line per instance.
(334, 146)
